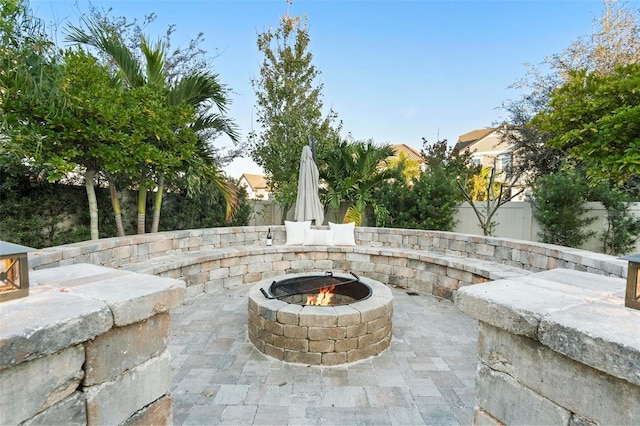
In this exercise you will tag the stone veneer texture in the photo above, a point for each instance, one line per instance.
(321, 335)
(556, 347)
(88, 346)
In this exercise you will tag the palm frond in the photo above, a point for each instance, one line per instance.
(155, 58)
(218, 123)
(201, 176)
(354, 214)
(127, 66)
(198, 88)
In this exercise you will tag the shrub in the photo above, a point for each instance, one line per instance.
(39, 214)
(430, 203)
(558, 202)
(204, 210)
(622, 227)
(36, 213)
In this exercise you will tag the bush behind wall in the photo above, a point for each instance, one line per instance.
(38, 214)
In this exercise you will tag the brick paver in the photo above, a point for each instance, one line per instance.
(427, 376)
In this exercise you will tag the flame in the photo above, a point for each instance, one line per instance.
(322, 298)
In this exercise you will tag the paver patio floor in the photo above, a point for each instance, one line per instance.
(427, 376)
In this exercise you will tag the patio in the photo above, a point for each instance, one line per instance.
(427, 376)
(108, 305)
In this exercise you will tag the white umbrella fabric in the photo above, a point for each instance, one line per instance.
(308, 205)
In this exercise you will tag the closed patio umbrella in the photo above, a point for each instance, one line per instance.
(308, 205)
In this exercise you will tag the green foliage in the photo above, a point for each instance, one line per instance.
(454, 164)
(614, 42)
(351, 172)
(289, 108)
(179, 83)
(479, 186)
(558, 203)
(202, 210)
(36, 213)
(431, 202)
(623, 228)
(596, 119)
(33, 212)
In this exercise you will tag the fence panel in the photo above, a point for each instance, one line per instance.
(513, 220)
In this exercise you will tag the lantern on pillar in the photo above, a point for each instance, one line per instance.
(14, 271)
(632, 296)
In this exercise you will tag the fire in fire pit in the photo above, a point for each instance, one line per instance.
(355, 322)
(322, 290)
(323, 298)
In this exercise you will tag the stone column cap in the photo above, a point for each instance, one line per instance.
(75, 303)
(578, 314)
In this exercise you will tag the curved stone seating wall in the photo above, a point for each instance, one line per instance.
(429, 261)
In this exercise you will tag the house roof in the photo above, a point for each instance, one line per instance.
(410, 153)
(471, 137)
(256, 182)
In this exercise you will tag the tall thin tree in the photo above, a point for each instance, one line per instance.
(289, 107)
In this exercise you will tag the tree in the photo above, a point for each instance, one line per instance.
(595, 118)
(289, 108)
(81, 123)
(496, 193)
(614, 41)
(558, 205)
(351, 172)
(25, 62)
(623, 227)
(431, 199)
(198, 90)
(479, 186)
(410, 168)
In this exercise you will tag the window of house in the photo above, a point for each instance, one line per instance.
(505, 162)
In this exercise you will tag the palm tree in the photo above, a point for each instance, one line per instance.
(352, 171)
(199, 89)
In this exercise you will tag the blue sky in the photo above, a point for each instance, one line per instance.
(394, 71)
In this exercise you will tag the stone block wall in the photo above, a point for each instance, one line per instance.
(556, 347)
(428, 261)
(213, 270)
(530, 256)
(88, 346)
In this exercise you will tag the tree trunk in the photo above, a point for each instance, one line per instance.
(157, 205)
(285, 210)
(93, 203)
(142, 207)
(115, 204)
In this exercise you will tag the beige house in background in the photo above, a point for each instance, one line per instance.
(256, 186)
(410, 153)
(488, 149)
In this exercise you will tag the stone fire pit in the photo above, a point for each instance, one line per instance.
(320, 335)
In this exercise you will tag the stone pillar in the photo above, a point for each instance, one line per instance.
(88, 346)
(556, 347)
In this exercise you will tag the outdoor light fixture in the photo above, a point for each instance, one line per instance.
(14, 271)
(632, 297)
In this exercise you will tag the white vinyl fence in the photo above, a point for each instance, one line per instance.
(514, 220)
